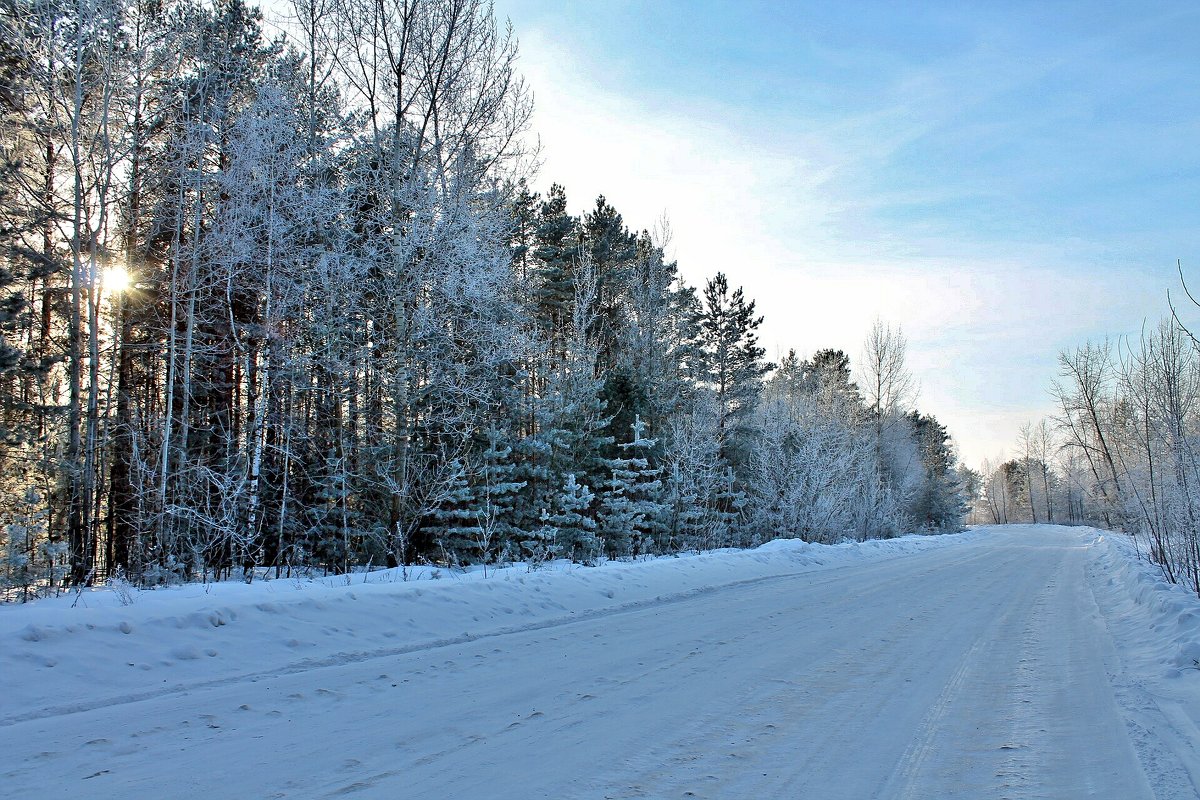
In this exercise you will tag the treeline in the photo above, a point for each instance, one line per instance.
(1122, 451)
(1045, 483)
(289, 302)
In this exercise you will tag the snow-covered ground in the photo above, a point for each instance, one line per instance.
(1019, 662)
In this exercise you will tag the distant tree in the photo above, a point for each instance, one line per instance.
(888, 385)
(971, 482)
(1083, 395)
(1036, 444)
(939, 504)
(1015, 482)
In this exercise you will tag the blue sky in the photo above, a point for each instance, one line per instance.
(1004, 180)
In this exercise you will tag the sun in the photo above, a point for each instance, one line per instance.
(116, 279)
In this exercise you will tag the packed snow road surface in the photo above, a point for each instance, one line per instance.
(1026, 662)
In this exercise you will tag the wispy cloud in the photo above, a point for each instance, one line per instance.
(968, 196)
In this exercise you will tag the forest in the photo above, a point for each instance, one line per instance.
(288, 301)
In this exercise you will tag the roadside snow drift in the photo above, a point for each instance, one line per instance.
(1135, 589)
(75, 653)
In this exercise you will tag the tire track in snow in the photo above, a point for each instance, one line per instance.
(1180, 734)
(752, 729)
(1034, 712)
(913, 760)
(963, 687)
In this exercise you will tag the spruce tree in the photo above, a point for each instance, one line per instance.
(573, 519)
(631, 513)
(542, 544)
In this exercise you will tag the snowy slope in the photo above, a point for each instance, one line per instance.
(1019, 662)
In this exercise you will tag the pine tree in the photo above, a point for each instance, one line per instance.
(734, 364)
(827, 375)
(523, 213)
(651, 378)
(28, 558)
(734, 370)
(575, 433)
(556, 252)
(24, 363)
(611, 251)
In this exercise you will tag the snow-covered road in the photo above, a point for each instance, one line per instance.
(1005, 667)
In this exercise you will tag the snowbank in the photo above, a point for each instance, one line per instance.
(1167, 614)
(75, 653)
